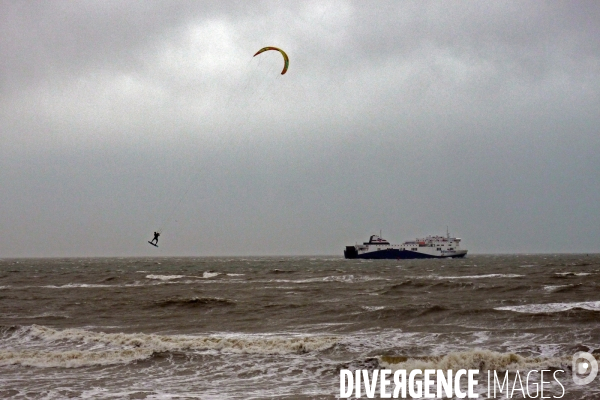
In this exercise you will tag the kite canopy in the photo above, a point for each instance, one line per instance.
(286, 60)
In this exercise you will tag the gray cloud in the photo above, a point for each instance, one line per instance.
(120, 117)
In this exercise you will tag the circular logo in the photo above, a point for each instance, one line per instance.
(585, 368)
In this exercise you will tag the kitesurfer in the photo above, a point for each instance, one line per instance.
(155, 240)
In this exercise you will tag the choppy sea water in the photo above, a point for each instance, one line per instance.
(283, 327)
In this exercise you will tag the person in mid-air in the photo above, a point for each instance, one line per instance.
(155, 240)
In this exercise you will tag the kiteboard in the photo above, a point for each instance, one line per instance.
(155, 245)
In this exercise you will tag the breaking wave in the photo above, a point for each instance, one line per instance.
(77, 285)
(552, 307)
(205, 275)
(77, 347)
(164, 277)
(479, 276)
(72, 358)
(483, 360)
(561, 288)
(339, 278)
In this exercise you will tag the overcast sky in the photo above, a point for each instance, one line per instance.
(118, 118)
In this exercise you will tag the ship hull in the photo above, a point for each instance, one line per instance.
(396, 254)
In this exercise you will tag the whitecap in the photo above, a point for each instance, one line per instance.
(78, 347)
(473, 359)
(372, 308)
(552, 307)
(573, 273)
(164, 277)
(71, 358)
(552, 288)
(473, 276)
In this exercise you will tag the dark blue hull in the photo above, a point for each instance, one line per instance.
(392, 254)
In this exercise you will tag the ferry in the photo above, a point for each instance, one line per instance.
(428, 247)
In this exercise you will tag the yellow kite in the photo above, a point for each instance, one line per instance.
(286, 60)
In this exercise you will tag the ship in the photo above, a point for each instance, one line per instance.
(428, 247)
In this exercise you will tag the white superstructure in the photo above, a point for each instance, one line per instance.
(428, 247)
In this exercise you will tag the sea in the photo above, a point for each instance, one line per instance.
(284, 327)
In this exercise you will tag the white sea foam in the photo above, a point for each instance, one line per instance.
(333, 278)
(165, 277)
(372, 308)
(484, 360)
(78, 347)
(573, 273)
(77, 285)
(553, 288)
(552, 307)
(264, 376)
(94, 285)
(44, 315)
(477, 276)
(71, 358)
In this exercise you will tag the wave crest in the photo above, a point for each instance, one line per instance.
(72, 358)
(552, 307)
(483, 360)
(99, 348)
